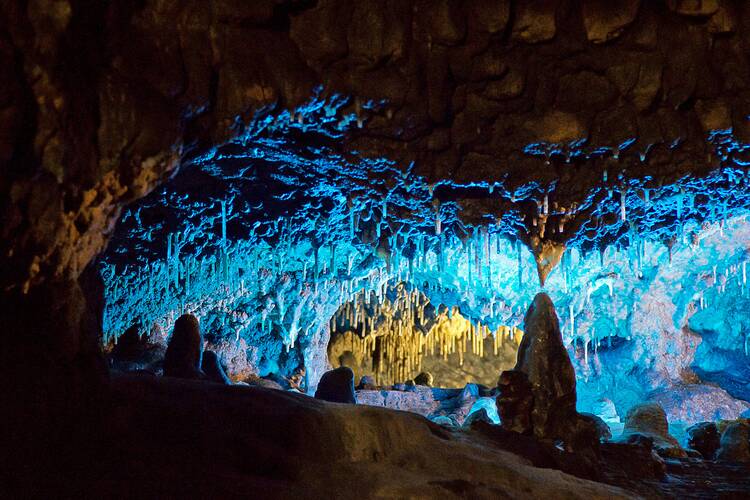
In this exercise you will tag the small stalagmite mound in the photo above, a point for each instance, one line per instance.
(183, 356)
(337, 386)
(649, 421)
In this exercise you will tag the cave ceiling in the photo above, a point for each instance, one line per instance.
(592, 119)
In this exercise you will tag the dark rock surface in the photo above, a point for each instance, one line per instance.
(367, 382)
(603, 432)
(133, 352)
(735, 443)
(543, 359)
(213, 368)
(234, 441)
(477, 416)
(337, 386)
(704, 438)
(183, 356)
(515, 401)
(424, 378)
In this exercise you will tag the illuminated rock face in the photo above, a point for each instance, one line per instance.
(267, 237)
(397, 337)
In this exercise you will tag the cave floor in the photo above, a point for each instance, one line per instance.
(168, 437)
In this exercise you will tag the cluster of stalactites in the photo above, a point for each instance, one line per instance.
(393, 336)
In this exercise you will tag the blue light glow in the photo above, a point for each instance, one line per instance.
(263, 238)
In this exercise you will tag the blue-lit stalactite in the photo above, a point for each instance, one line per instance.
(264, 237)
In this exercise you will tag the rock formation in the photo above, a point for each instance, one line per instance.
(337, 386)
(704, 438)
(424, 378)
(183, 356)
(648, 420)
(213, 369)
(100, 103)
(735, 443)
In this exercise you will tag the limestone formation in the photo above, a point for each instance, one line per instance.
(337, 386)
(515, 401)
(603, 432)
(704, 438)
(133, 352)
(649, 420)
(213, 368)
(183, 356)
(542, 357)
(735, 443)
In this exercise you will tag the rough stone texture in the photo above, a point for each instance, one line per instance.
(697, 402)
(232, 441)
(735, 443)
(515, 401)
(649, 421)
(428, 401)
(603, 432)
(211, 366)
(545, 361)
(337, 386)
(704, 438)
(183, 356)
(605, 21)
(477, 416)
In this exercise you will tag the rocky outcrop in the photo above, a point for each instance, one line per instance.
(183, 356)
(515, 401)
(230, 441)
(735, 443)
(542, 357)
(539, 396)
(603, 432)
(605, 21)
(648, 421)
(337, 386)
(704, 438)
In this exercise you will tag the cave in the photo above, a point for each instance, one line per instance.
(377, 249)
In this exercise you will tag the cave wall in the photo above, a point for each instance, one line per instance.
(99, 102)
